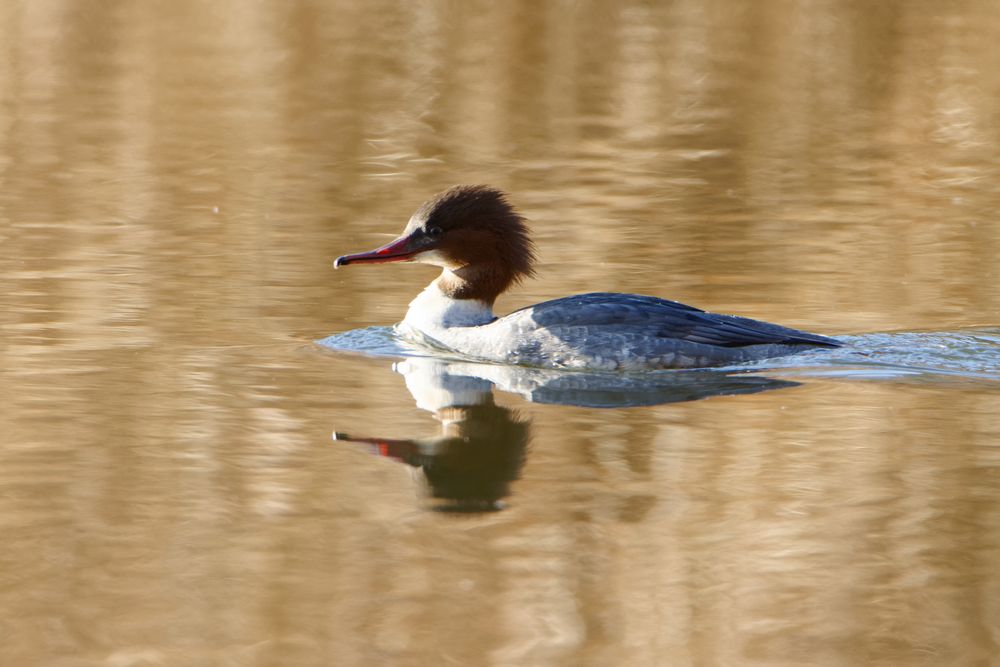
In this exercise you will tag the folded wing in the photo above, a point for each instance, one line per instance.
(660, 318)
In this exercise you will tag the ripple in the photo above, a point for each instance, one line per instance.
(971, 353)
(373, 341)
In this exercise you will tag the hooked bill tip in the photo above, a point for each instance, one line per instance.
(339, 262)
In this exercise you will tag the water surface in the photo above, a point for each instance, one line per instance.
(176, 178)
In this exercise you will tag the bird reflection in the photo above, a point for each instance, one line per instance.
(470, 466)
(482, 446)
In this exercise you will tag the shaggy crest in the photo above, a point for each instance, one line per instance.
(482, 230)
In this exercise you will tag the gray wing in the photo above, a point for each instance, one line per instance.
(660, 318)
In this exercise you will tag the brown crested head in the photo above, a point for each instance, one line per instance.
(470, 230)
(480, 237)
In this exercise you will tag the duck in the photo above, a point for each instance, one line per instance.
(483, 246)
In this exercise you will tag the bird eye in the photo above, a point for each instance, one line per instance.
(435, 231)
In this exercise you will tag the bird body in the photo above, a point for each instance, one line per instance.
(483, 247)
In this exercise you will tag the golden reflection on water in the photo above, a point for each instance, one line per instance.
(175, 179)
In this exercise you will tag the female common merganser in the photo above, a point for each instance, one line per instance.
(481, 242)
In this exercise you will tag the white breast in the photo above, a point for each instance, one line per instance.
(432, 312)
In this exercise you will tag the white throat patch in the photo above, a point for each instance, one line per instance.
(432, 311)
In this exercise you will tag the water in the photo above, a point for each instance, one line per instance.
(175, 180)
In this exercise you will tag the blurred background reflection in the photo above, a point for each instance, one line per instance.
(175, 179)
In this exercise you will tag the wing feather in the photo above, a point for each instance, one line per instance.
(660, 318)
